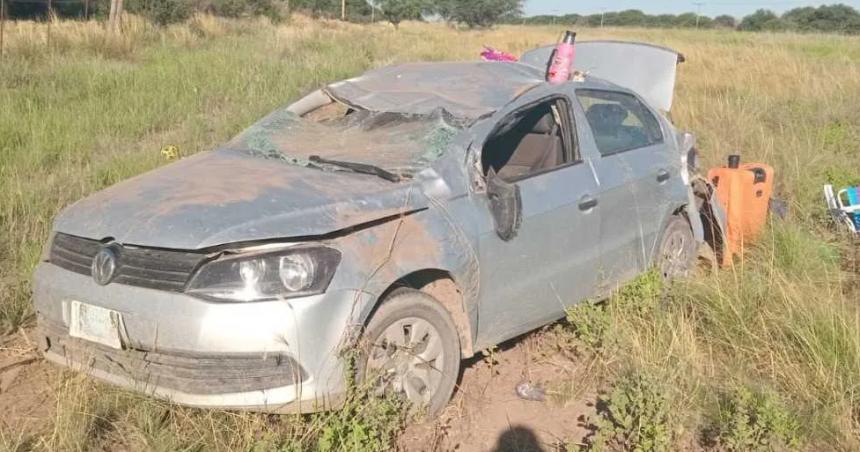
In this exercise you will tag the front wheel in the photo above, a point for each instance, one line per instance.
(411, 348)
(677, 251)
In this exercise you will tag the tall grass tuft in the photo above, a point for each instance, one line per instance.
(772, 343)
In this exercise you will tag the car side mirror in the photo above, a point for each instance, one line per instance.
(506, 205)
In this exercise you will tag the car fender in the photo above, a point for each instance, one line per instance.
(375, 259)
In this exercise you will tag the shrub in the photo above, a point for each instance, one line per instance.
(639, 296)
(750, 420)
(367, 423)
(634, 415)
(396, 11)
(590, 323)
(228, 8)
(162, 12)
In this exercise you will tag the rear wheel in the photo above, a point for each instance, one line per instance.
(677, 252)
(411, 348)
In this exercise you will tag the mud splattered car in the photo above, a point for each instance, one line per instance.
(422, 211)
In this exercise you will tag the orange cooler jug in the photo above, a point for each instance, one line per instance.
(744, 192)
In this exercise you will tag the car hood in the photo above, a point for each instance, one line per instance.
(229, 196)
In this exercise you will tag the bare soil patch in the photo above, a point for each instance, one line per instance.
(27, 399)
(488, 415)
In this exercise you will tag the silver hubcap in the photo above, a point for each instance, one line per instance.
(676, 255)
(407, 358)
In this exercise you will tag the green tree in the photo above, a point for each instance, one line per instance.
(239, 8)
(396, 11)
(161, 12)
(478, 13)
(317, 8)
(664, 21)
(356, 10)
(630, 18)
(762, 20)
(827, 18)
(725, 21)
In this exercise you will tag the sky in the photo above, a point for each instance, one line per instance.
(736, 8)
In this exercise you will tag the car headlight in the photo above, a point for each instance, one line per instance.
(286, 273)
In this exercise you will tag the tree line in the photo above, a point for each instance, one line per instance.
(838, 18)
(471, 13)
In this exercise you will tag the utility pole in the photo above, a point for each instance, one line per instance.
(698, 12)
(602, 13)
(343, 10)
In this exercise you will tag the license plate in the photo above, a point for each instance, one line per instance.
(96, 324)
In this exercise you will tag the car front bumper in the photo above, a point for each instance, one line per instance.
(276, 356)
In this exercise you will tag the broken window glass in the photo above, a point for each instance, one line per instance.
(402, 144)
(527, 142)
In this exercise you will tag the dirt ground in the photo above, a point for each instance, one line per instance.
(26, 396)
(486, 414)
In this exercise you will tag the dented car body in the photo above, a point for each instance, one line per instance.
(434, 209)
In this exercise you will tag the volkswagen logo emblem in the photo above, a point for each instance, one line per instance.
(104, 265)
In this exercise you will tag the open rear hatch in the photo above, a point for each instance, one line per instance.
(647, 69)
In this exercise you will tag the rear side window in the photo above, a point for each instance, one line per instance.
(619, 121)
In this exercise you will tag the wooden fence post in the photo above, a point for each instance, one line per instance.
(115, 15)
(2, 24)
(111, 14)
(50, 21)
(119, 10)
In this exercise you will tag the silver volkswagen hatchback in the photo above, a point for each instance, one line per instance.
(422, 211)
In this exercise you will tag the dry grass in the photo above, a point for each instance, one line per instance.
(81, 109)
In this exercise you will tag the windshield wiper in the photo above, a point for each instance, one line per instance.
(356, 167)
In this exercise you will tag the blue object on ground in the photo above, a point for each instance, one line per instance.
(853, 196)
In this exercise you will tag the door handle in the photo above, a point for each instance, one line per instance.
(663, 176)
(587, 202)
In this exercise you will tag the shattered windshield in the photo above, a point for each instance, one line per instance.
(400, 143)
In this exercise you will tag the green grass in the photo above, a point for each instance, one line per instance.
(763, 354)
(90, 416)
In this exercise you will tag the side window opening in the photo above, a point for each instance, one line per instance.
(529, 141)
(619, 121)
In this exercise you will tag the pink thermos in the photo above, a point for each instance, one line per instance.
(562, 60)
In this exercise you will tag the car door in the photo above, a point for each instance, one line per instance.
(529, 279)
(632, 169)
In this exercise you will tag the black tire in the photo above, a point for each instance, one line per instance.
(404, 305)
(676, 255)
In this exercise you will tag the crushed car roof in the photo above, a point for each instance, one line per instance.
(467, 90)
(470, 90)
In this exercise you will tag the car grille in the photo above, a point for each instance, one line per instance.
(142, 267)
(189, 373)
